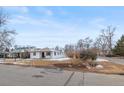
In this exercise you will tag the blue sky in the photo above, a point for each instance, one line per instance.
(51, 26)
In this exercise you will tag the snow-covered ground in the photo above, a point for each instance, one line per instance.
(1, 60)
(60, 59)
(100, 60)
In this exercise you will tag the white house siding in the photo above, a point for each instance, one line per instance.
(53, 55)
(58, 55)
(47, 56)
(38, 55)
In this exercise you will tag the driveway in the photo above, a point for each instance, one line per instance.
(114, 60)
(11, 75)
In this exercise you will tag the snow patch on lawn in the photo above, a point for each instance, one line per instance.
(59, 59)
(100, 60)
(1, 61)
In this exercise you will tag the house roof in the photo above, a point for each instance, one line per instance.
(34, 50)
(45, 49)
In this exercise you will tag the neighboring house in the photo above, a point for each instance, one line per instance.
(46, 53)
(20, 53)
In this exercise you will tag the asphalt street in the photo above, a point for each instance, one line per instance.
(11, 75)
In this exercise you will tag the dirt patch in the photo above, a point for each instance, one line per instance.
(108, 68)
(111, 68)
(8, 63)
(71, 66)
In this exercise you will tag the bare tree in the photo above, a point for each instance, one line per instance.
(84, 43)
(57, 48)
(107, 34)
(101, 44)
(3, 17)
(110, 36)
(70, 50)
(6, 36)
(6, 40)
(80, 44)
(105, 40)
(87, 42)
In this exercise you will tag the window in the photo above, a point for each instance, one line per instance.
(48, 53)
(34, 53)
(54, 53)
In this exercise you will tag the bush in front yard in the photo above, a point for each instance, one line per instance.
(93, 64)
(86, 55)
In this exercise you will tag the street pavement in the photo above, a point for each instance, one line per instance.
(11, 75)
(114, 59)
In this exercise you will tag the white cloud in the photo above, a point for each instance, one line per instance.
(45, 31)
(48, 12)
(98, 23)
(44, 10)
(24, 9)
(18, 9)
(24, 20)
(43, 22)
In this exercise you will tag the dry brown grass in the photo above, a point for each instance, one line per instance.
(50, 63)
(73, 64)
(36, 63)
(111, 68)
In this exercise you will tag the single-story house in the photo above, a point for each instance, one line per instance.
(19, 53)
(46, 53)
(36, 53)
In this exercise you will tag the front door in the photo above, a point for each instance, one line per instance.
(43, 55)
